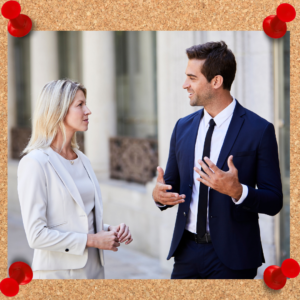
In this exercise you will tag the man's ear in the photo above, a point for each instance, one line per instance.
(217, 81)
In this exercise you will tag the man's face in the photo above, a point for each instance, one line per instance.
(199, 89)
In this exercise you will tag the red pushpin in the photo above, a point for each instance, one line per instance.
(275, 277)
(19, 25)
(9, 287)
(275, 26)
(21, 272)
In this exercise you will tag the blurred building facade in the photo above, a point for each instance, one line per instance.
(134, 91)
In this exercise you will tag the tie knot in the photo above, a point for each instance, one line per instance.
(212, 123)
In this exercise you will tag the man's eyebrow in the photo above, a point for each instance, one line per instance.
(191, 75)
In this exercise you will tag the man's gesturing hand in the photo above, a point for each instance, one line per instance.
(160, 194)
(224, 182)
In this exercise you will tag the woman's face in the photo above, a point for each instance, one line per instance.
(77, 116)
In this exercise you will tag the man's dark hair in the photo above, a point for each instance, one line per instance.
(219, 60)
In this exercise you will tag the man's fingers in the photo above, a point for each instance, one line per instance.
(230, 163)
(164, 187)
(204, 181)
(211, 165)
(205, 168)
(160, 175)
(164, 195)
(174, 202)
(202, 174)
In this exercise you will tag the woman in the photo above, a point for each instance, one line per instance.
(59, 193)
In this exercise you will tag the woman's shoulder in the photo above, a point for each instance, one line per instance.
(37, 155)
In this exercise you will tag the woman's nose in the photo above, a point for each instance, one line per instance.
(88, 112)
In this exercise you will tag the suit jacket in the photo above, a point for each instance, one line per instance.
(234, 228)
(54, 217)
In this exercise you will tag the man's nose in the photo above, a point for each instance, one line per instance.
(185, 84)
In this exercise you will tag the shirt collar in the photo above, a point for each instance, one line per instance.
(222, 116)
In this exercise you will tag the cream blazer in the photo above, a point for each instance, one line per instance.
(53, 212)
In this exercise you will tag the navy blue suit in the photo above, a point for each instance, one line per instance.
(234, 229)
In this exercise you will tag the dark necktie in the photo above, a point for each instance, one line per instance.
(203, 190)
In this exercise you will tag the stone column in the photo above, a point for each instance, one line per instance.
(99, 79)
(44, 66)
(11, 90)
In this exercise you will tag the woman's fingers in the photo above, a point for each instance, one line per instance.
(122, 229)
(116, 244)
(129, 241)
(126, 232)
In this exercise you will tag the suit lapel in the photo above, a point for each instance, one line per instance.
(64, 176)
(192, 137)
(232, 133)
(91, 173)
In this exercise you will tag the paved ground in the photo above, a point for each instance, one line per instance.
(124, 264)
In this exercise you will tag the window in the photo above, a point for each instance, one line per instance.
(136, 84)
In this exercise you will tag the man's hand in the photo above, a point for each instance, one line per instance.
(160, 194)
(224, 182)
(106, 240)
(122, 232)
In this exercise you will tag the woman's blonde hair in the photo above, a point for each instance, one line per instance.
(50, 111)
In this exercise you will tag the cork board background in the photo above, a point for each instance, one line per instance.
(154, 15)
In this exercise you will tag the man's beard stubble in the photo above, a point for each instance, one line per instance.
(203, 100)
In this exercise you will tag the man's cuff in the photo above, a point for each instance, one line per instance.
(159, 204)
(243, 197)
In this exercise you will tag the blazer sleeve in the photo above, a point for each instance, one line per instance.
(32, 191)
(171, 175)
(268, 197)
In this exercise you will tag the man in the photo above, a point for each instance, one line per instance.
(218, 155)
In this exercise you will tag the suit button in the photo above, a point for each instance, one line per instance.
(184, 213)
(190, 186)
(67, 250)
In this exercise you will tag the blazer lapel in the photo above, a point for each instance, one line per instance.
(91, 173)
(192, 136)
(232, 133)
(64, 176)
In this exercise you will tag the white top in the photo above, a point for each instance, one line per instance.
(84, 184)
(222, 121)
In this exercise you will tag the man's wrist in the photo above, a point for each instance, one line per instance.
(238, 194)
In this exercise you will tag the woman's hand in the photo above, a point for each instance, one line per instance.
(123, 233)
(106, 240)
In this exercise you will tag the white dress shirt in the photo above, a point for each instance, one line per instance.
(222, 121)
